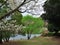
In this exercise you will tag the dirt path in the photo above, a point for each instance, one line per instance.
(36, 41)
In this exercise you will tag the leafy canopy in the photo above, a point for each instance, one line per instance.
(32, 24)
(18, 17)
(52, 9)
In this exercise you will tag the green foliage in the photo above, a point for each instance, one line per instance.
(18, 17)
(1, 1)
(50, 34)
(7, 29)
(6, 34)
(53, 28)
(3, 11)
(32, 25)
(52, 9)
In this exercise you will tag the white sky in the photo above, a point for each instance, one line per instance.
(41, 3)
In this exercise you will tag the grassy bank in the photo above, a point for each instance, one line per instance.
(35, 41)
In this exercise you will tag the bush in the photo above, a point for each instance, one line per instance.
(44, 32)
(50, 34)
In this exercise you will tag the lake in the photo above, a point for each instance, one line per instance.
(21, 37)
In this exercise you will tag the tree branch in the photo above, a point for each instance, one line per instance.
(7, 14)
(26, 9)
(26, 2)
(21, 11)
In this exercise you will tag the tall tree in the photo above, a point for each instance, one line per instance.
(52, 9)
(32, 25)
(8, 29)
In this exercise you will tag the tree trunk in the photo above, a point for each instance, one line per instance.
(1, 41)
(29, 35)
(7, 39)
(56, 33)
(0, 36)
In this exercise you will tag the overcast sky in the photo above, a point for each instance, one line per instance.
(41, 3)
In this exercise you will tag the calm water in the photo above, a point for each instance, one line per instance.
(21, 37)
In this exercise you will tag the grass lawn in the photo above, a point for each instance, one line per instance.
(36, 41)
